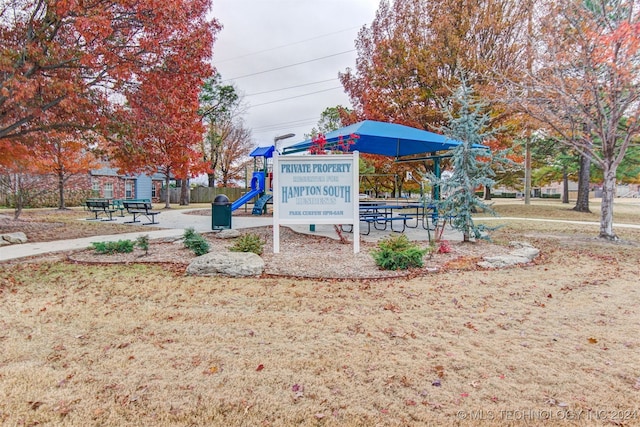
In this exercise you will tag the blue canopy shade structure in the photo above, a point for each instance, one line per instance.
(386, 139)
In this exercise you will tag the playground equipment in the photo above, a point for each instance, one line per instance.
(258, 183)
(257, 189)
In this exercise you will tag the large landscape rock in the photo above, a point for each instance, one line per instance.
(523, 253)
(228, 234)
(227, 263)
(12, 238)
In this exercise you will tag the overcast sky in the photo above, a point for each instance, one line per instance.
(263, 35)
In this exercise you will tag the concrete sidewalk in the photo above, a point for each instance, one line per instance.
(174, 222)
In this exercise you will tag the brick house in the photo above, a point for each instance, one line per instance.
(107, 183)
(104, 182)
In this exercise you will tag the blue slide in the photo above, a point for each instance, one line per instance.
(244, 199)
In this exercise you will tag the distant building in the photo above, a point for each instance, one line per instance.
(107, 183)
(556, 190)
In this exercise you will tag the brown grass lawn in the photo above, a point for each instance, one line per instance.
(552, 343)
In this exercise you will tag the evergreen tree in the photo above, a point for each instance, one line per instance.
(471, 163)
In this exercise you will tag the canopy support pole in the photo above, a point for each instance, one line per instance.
(437, 172)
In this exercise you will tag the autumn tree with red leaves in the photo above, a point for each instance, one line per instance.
(168, 131)
(411, 55)
(63, 156)
(70, 66)
(165, 107)
(78, 56)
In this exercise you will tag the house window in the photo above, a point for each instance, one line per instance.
(153, 191)
(108, 190)
(95, 187)
(128, 190)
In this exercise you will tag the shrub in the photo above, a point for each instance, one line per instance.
(143, 243)
(121, 246)
(189, 233)
(248, 243)
(195, 242)
(398, 253)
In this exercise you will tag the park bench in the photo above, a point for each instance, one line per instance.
(100, 207)
(138, 209)
(118, 204)
(94, 199)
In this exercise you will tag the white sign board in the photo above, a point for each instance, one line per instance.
(320, 189)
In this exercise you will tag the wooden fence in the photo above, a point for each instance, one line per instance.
(207, 194)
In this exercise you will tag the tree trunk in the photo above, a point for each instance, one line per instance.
(608, 194)
(17, 211)
(582, 202)
(466, 234)
(184, 192)
(167, 182)
(61, 191)
(527, 173)
(18, 197)
(565, 186)
(487, 192)
(212, 180)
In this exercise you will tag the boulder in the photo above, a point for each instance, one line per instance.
(228, 234)
(502, 261)
(227, 264)
(523, 253)
(517, 245)
(529, 253)
(17, 237)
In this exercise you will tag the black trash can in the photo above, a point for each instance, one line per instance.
(220, 213)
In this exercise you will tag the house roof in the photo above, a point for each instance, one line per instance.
(108, 171)
(105, 171)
